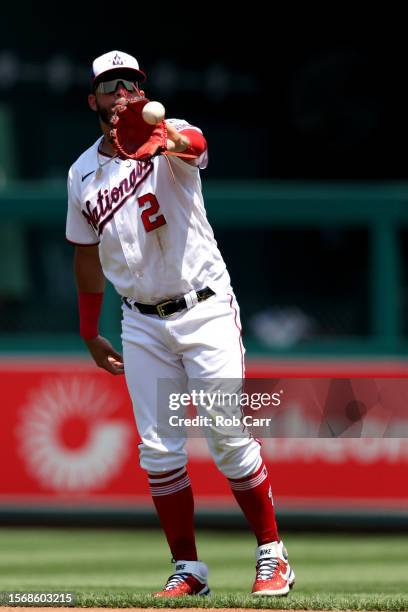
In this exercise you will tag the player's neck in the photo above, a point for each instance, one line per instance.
(105, 146)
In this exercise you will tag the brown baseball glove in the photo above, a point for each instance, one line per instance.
(132, 137)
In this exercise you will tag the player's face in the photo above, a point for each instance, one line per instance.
(103, 103)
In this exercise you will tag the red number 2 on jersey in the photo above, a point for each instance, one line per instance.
(150, 221)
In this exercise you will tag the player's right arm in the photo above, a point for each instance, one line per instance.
(89, 277)
(91, 284)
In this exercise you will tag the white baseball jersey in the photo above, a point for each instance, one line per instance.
(149, 220)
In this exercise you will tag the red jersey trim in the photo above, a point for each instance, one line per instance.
(240, 336)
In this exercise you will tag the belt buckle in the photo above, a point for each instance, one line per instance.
(160, 309)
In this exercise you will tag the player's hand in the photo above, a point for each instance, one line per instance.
(105, 355)
(120, 104)
(131, 136)
(176, 142)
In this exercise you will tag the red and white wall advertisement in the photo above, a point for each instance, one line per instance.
(68, 439)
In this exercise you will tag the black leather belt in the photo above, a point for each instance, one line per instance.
(168, 307)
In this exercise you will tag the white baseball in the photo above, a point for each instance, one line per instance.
(153, 112)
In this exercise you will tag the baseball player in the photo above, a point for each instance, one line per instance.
(143, 226)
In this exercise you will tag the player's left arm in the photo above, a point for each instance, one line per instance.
(187, 140)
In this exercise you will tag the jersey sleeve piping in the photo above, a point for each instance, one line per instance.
(82, 244)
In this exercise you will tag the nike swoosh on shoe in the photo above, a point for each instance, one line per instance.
(286, 575)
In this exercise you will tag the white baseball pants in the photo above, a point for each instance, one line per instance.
(201, 343)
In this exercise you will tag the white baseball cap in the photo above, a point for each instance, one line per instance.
(116, 60)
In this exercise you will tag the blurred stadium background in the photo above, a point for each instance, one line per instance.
(308, 200)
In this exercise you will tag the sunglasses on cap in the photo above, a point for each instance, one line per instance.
(108, 87)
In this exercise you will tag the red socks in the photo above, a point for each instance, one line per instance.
(254, 495)
(173, 497)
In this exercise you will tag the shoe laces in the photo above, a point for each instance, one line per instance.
(174, 580)
(265, 568)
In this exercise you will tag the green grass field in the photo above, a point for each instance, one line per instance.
(120, 568)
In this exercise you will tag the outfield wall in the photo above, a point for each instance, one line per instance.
(69, 443)
(318, 268)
